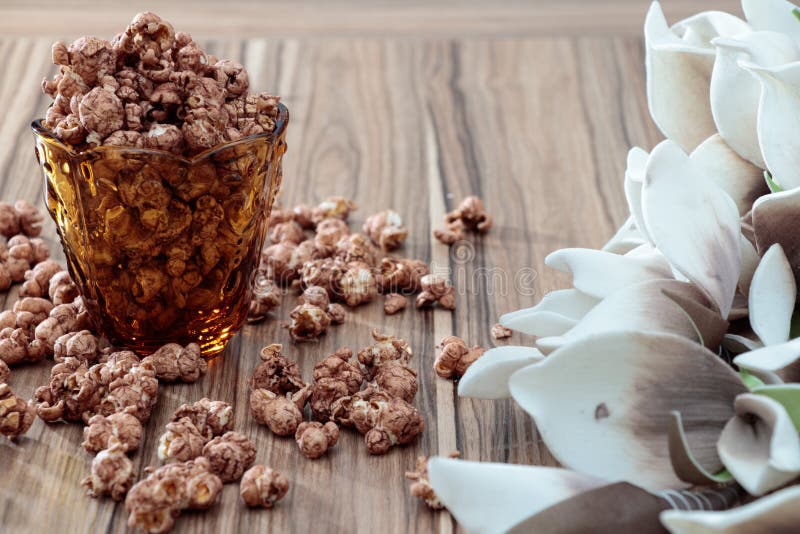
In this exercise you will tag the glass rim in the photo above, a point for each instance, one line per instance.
(280, 127)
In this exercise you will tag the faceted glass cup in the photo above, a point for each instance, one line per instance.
(164, 248)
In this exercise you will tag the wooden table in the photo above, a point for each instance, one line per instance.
(531, 105)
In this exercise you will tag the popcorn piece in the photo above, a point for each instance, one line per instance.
(112, 474)
(5, 372)
(82, 345)
(501, 332)
(397, 423)
(229, 455)
(386, 349)
(264, 301)
(62, 290)
(302, 215)
(358, 285)
(210, 418)
(333, 207)
(324, 393)
(338, 366)
(30, 220)
(281, 414)
(328, 234)
(436, 289)
(9, 220)
(181, 442)
(326, 273)
(400, 275)
(308, 322)
(154, 503)
(122, 428)
(421, 488)
(394, 303)
(315, 296)
(62, 319)
(386, 229)
(173, 362)
(263, 486)
(336, 313)
(288, 231)
(455, 357)
(37, 280)
(470, 215)
(314, 438)
(397, 379)
(276, 373)
(450, 235)
(356, 248)
(16, 415)
(101, 111)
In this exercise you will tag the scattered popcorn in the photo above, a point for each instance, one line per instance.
(386, 229)
(339, 366)
(470, 215)
(333, 207)
(229, 455)
(501, 332)
(455, 357)
(210, 418)
(436, 289)
(314, 438)
(112, 474)
(181, 442)
(308, 322)
(421, 488)
(5, 372)
(263, 486)
(122, 428)
(276, 373)
(394, 303)
(282, 414)
(16, 415)
(386, 348)
(173, 362)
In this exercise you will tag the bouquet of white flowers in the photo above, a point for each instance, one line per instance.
(667, 380)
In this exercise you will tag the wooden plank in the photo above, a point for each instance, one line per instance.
(324, 18)
(539, 126)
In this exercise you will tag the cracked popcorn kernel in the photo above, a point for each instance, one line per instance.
(181, 442)
(173, 362)
(386, 229)
(436, 289)
(229, 455)
(308, 322)
(112, 474)
(16, 415)
(314, 439)
(280, 413)
(121, 427)
(263, 486)
(211, 418)
(276, 373)
(455, 357)
(394, 303)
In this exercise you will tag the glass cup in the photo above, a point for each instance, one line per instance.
(164, 249)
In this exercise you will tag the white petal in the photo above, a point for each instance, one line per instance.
(634, 180)
(775, 221)
(693, 222)
(778, 512)
(772, 15)
(774, 362)
(490, 498)
(738, 344)
(488, 377)
(644, 307)
(743, 181)
(778, 116)
(750, 261)
(679, 63)
(772, 297)
(557, 312)
(735, 93)
(627, 238)
(600, 274)
(760, 446)
(602, 404)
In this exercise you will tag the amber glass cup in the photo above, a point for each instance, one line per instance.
(164, 248)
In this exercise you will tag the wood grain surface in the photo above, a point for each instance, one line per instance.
(536, 122)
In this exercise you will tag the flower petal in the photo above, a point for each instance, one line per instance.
(488, 377)
(772, 15)
(666, 306)
(634, 180)
(775, 220)
(789, 397)
(600, 274)
(750, 261)
(490, 498)
(683, 461)
(557, 312)
(679, 62)
(627, 238)
(609, 396)
(743, 181)
(735, 93)
(619, 507)
(773, 364)
(760, 446)
(778, 512)
(772, 297)
(778, 115)
(693, 222)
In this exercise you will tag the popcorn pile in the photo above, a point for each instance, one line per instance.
(381, 411)
(151, 87)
